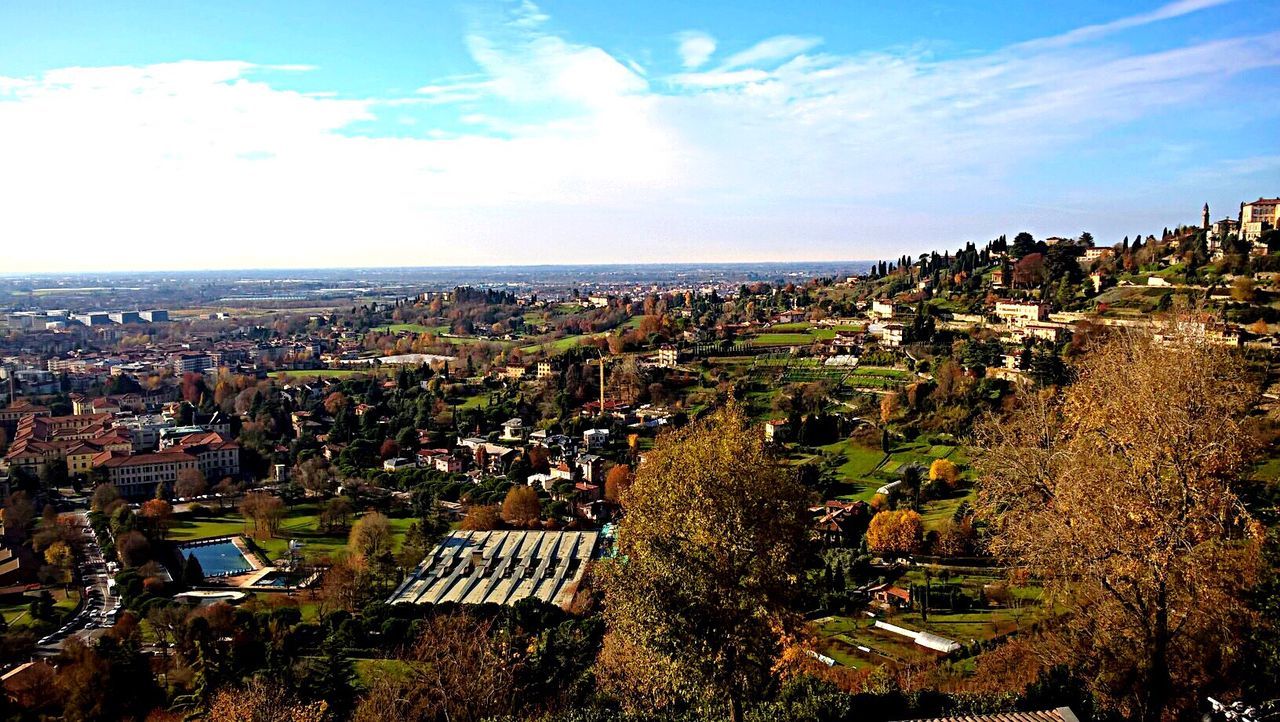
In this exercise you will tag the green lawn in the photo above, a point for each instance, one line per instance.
(554, 347)
(782, 339)
(1268, 470)
(411, 328)
(329, 373)
(860, 463)
(301, 522)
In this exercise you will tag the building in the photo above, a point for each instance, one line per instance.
(500, 567)
(1258, 217)
(882, 308)
(137, 475)
(92, 318)
(1051, 332)
(668, 355)
(10, 415)
(893, 335)
(546, 369)
(448, 464)
(513, 430)
(774, 428)
(191, 363)
(1019, 313)
(595, 438)
(515, 372)
(144, 430)
(1061, 714)
(154, 315)
(123, 317)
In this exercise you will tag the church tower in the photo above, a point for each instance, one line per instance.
(1206, 216)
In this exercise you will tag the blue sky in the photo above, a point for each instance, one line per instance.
(247, 134)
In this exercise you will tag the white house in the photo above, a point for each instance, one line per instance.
(595, 438)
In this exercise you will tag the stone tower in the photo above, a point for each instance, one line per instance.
(1206, 216)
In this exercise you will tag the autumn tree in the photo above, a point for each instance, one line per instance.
(190, 483)
(895, 532)
(1118, 492)
(264, 510)
(1243, 289)
(481, 517)
(616, 482)
(370, 538)
(336, 514)
(58, 555)
(459, 669)
(945, 471)
(263, 700)
(521, 506)
(315, 476)
(158, 514)
(709, 550)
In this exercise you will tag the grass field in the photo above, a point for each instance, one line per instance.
(858, 468)
(554, 347)
(411, 328)
(301, 522)
(782, 339)
(330, 373)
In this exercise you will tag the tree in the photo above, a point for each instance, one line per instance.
(481, 517)
(19, 512)
(262, 700)
(314, 475)
(104, 498)
(944, 471)
(190, 484)
(264, 510)
(389, 449)
(1118, 492)
(712, 537)
(888, 407)
(370, 538)
(336, 514)
(158, 515)
(58, 555)
(895, 532)
(521, 505)
(192, 572)
(459, 669)
(1243, 290)
(617, 482)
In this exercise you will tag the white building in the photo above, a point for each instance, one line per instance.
(1020, 313)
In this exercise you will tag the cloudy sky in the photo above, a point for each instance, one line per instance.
(179, 135)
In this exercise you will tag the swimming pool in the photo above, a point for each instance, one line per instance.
(218, 559)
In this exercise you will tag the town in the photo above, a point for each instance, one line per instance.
(468, 480)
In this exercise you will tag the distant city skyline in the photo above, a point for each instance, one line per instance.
(180, 136)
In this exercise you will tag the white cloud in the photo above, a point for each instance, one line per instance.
(779, 47)
(563, 152)
(695, 48)
(1175, 9)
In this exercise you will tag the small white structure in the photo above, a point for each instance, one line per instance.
(927, 640)
(541, 481)
(513, 430)
(596, 438)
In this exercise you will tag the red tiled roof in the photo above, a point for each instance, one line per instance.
(159, 457)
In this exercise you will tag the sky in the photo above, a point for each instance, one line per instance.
(167, 134)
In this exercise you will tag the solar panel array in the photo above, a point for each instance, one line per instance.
(500, 567)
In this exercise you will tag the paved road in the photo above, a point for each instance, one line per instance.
(100, 607)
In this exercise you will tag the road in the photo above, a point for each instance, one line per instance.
(100, 606)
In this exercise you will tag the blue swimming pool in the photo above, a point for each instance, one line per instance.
(218, 559)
